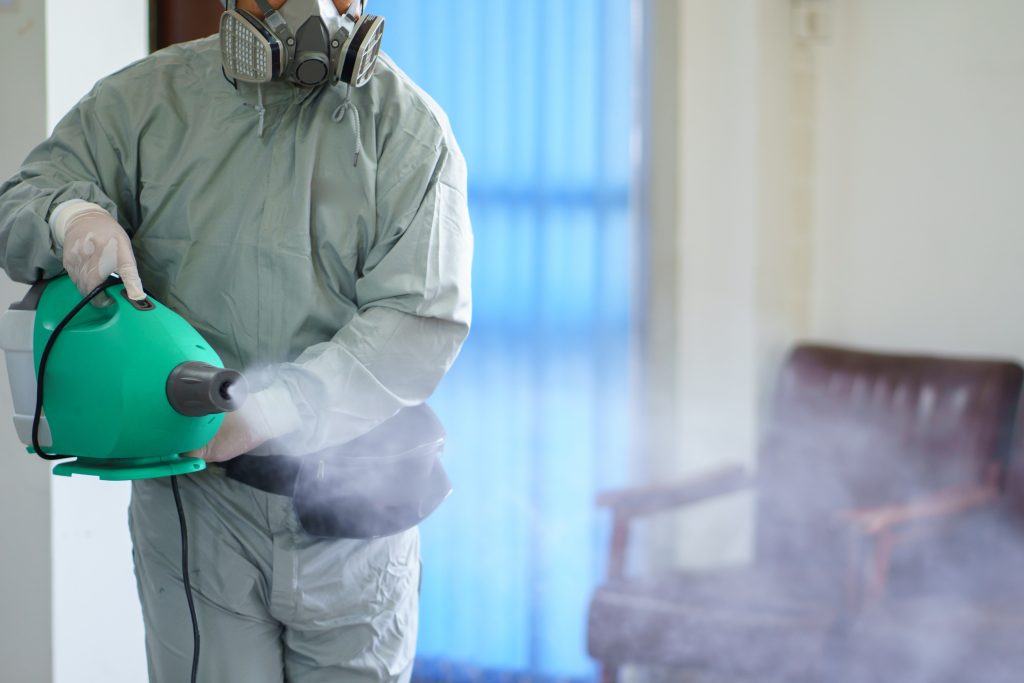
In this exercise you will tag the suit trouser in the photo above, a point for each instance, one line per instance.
(273, 603)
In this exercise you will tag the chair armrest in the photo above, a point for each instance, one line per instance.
(939, 505)
(649, 500)
(628, 504)
(881, 527)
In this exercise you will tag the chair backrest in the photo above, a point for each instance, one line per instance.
(852, 429)
(1015, 475)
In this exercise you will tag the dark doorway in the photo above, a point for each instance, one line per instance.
(176, 21)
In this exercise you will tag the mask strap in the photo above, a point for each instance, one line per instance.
(232, 81)
(353, 16)
(276, 22)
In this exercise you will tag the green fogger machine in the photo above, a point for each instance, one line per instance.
(127, 387)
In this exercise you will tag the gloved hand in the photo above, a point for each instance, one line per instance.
(265, 415)
(95, 246)
(235, 437)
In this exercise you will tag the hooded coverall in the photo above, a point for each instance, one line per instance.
(319, 239)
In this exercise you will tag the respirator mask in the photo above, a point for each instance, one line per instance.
(306, 42)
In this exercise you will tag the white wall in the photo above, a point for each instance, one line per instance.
(89, 40)
(25, 603)
(920, 218)
(742, 258)
(718, 195)
(860, 185)
(93, 580)
(718, 249)
(68, 610)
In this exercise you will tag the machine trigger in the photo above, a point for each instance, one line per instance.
(141, 304)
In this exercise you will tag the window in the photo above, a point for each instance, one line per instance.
(537, 407)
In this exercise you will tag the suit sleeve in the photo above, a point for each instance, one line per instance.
(414, 313)
(80, 160)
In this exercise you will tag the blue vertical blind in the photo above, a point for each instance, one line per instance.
(537, 407)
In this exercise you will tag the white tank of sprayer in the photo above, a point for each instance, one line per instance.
(17, 328)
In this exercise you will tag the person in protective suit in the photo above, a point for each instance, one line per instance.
(308, 216)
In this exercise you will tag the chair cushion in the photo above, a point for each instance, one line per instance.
(937, 639)
(736, 620)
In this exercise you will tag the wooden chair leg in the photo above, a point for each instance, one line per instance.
(609, 673)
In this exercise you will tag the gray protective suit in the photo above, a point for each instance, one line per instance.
(319, 240)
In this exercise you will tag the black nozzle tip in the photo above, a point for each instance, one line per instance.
(195, 389)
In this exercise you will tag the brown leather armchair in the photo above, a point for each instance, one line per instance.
(858, 445)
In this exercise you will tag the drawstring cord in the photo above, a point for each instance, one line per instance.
(339, 115)
(260, 109)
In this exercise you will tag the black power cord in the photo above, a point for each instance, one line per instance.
(185, 579)
(37, 416)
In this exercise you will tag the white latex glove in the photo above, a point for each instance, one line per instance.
(265, 415)
(95, 246)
